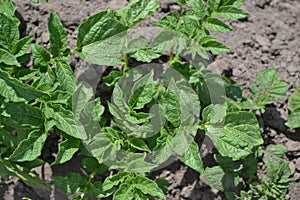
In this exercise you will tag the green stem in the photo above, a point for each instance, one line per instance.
(91, 177)
(171, 56)
(126, 66)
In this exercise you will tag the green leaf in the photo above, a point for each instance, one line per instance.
(31, 116)
(46, 81)
(171, 103)
(170, 21)
(230, 12)
(58, 97)
(119, 99)
(164, 148)
(238, 135)
(190, 25)
(250, 166)
(139, 49)
(216, 25)
(189, 103)
(192, 158)
(99, 27)
(277, 150)
(23, 174)
(92, 164)
(110, 50)
(115, 180)
(270, 82)
(112, 78)
(199, 7)
(7, 138)
(95, 189)
(167, 39)
(136, 44)
(103, 148)
(70, 184)
(135, 162)
(58, 35)
(294, 106)
(41, 56)
(236, 3)
(142, 92)
(9, 32)
(220, 180)
(145, 55)
(183, 139)
(30, 148)
(80, 99)
(163, 184)
(137, 10)
(278, 170)
(148, 186)
(214, 46)
(32, 164)
(294, 119)
(139, 144)
(66, 150)
(65, 76)
(22, 46)
(269, 87)
(8, 8)
(294, 100)
(65, 121)
(14, 90)
(8, 59)
(126, 191)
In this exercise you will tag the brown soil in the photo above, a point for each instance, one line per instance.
(269, 37)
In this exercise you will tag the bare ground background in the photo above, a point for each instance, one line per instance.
(269, 37)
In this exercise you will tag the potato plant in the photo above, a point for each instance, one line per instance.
(155, 113)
